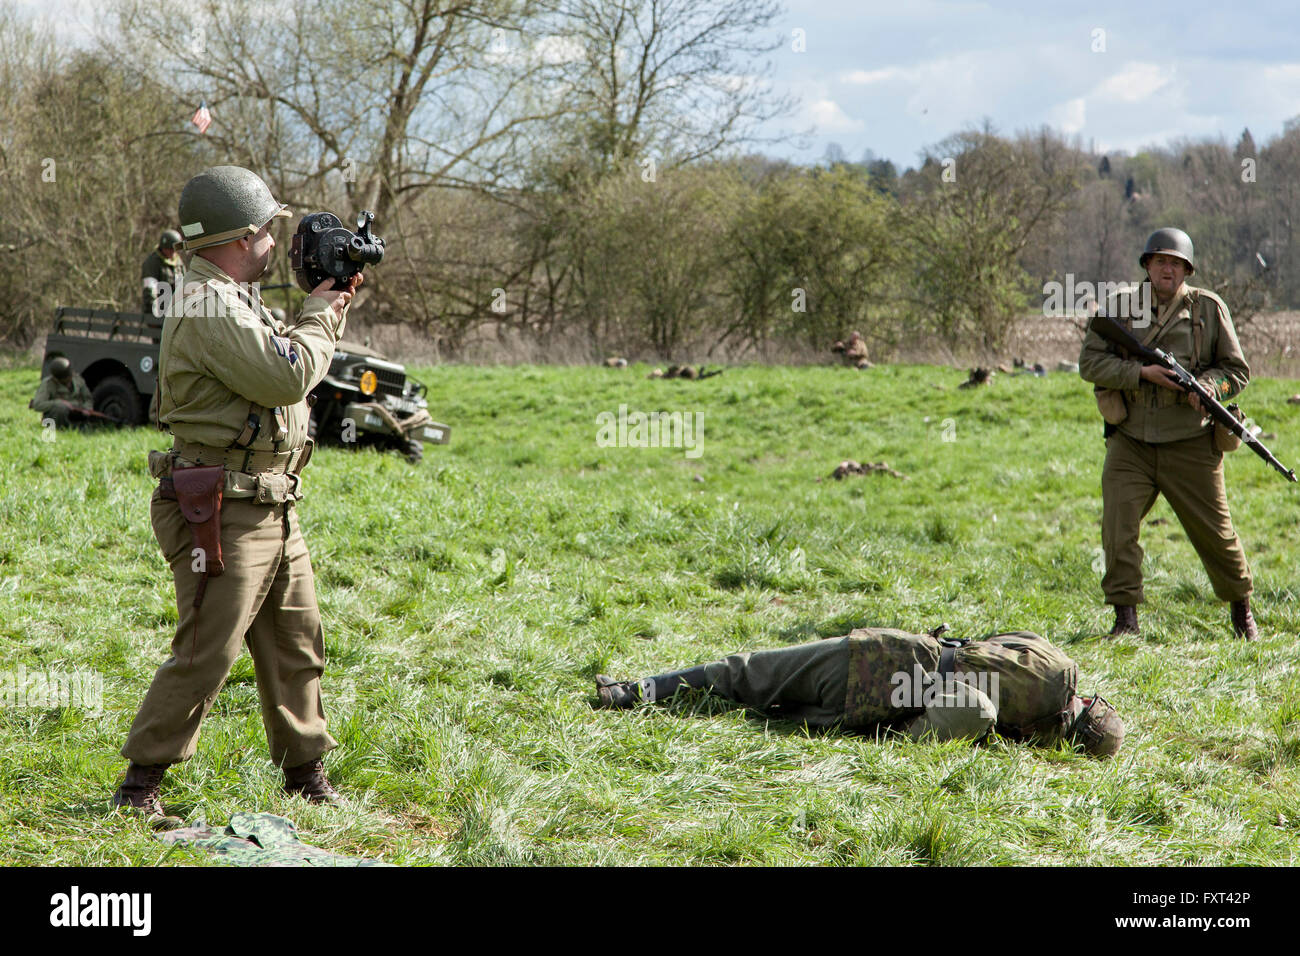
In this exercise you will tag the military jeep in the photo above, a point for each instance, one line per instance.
(367, 399)
(363, 399)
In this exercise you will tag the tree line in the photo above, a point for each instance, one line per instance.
(587, 176)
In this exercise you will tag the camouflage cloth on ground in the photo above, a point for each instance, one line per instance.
(260, 839)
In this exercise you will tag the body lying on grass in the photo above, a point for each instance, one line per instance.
(1017, 684)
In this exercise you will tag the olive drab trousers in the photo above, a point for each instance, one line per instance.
(1189, 474)
(267, 598)
(809, 683)
(806, 682)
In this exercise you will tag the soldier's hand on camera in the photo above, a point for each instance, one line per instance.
(338, 299)
(1160, 375)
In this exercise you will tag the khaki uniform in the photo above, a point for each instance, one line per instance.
(157, 271)
(53, 398)
(225, 363)
(855, 353)
(1164, 446)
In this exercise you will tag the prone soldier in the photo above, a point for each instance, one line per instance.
(1017, 684)
(232, 385)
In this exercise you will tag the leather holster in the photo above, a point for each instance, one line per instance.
(198, 493)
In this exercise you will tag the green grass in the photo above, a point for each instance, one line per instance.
(469, 601)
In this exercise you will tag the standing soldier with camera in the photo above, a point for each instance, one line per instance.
(232, 385)
(1158, 438)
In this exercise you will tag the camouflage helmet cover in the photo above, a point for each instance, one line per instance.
(60, 368)
(1172, 242)
(1098, 727)
(169, 239)
(225, 203)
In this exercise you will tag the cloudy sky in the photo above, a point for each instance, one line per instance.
(895, 77)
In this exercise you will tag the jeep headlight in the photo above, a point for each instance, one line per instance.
(369, 382)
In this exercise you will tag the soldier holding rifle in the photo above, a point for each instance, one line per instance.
(1159, 398)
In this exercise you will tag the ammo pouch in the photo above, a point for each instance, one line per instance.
(197, 491)
(1224, 440)
(1111, 404)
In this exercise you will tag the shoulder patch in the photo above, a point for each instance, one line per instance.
(284, 348)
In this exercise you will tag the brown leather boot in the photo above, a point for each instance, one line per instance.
(1243, 622)
(138, 793)
(1126, 620)
(308, 781)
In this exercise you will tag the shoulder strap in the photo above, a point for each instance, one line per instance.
(1165, 321)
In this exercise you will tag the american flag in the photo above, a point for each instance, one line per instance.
(202, 118)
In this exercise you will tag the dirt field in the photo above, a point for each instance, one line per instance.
(1271, 342)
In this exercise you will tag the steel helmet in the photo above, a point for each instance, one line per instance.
(1098, 727)
(61, 368)
(1173, 242)
(225, 203)
(169, 239)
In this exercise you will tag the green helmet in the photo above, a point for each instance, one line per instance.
(225, 203)
(170, 239)
(61, 368)
(1098, 727)
(1172, 242)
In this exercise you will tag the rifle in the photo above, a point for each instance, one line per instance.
(1116, 334)
(80, 413)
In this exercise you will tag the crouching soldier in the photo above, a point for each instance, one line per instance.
(63, 398)
(1017, 684)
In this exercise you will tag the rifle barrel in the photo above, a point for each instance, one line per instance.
(1116, 334)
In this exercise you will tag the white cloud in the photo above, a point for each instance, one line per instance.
(1134, 83)
(829, 118)
(867, 77)
(1069, 116)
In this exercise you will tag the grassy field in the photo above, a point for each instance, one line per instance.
(469, 601)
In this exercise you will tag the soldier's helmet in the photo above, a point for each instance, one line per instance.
(279, 316)
(170, 239)
(1172, 242)
(1098, 727)
(225, 203)
(61, 369)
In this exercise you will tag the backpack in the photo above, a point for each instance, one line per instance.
(1035, 680)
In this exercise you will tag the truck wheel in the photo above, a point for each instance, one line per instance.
(414, 451)
(118, 398)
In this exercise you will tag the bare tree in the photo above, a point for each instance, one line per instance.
(680, 78)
